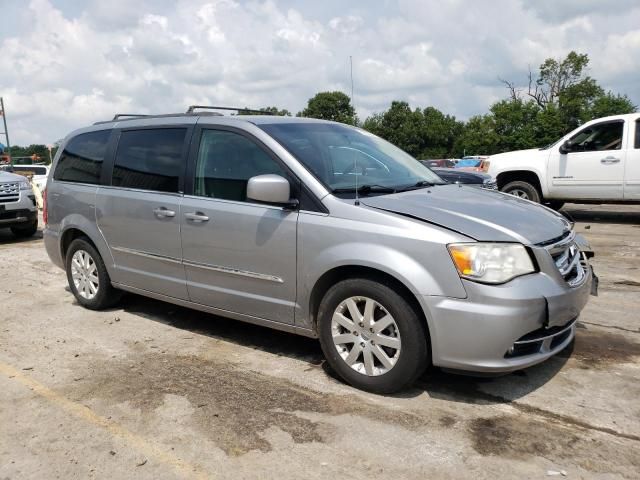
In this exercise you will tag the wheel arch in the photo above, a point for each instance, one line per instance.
(529, 176)
(76, 228)
(343, 272)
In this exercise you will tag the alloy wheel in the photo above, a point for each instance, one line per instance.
(516, 192)
(84, 273)
(366, 336)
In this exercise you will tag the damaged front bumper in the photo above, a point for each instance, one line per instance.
(501, 328)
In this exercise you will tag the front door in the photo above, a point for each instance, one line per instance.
(239, 255)
(594, 166)
(139, 214)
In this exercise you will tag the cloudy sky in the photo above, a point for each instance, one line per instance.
(67, 63)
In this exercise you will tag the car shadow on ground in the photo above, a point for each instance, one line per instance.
(435, 382)
(584, 214)
(8, 238)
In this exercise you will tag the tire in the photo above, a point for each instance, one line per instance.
(555, 204)
(83, 261)
(522, 189)
(25, 232)
(407, 331)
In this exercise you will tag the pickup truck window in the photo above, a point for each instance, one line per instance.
(602, 136)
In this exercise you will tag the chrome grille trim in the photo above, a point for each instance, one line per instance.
(9, 192)
(569, 260)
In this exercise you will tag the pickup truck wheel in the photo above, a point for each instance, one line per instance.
(523, 190)
(371, 336)
(88, 277)
(25, 232)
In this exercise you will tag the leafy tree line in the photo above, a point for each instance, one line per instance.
(559, 97)
(41, 152)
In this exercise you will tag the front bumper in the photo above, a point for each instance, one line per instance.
(502, 328)
(19, 212)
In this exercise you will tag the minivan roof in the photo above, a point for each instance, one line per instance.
(255, 119)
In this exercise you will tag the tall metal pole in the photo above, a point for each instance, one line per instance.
(4, 119)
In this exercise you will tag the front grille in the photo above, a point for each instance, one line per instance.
(490, 185)
(9, 192)
(569, 260)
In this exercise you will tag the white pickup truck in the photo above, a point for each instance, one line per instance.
(599, 162)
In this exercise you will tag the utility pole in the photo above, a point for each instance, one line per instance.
(4, 119)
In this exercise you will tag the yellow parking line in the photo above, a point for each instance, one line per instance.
(141, 444)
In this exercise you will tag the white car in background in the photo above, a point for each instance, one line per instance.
(599, 162)
(39, 173)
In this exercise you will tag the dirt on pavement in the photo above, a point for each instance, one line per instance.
(151, 390)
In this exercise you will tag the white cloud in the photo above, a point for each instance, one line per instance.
(65, 68)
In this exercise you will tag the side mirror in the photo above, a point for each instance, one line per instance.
(565, 147)
(270, 189)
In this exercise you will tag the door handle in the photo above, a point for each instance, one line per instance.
(196, 217)
(610, 159)
(163, 212)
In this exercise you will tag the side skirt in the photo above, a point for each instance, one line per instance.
(218, 311)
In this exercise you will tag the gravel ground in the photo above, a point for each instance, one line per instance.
(150, 390)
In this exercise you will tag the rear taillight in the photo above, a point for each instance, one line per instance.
(45, 214)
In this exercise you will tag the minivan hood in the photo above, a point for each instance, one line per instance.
(480, 214)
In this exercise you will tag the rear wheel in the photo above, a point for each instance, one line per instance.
(26, 231)
(371, 336)
(523, 190)
(88, 277)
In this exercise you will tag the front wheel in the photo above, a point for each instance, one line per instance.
(371, 336)
(523, 190)
(26, 231)
(88, 277)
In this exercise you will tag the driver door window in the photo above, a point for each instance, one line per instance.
(590, 165)
(226, 161)
(599, 137)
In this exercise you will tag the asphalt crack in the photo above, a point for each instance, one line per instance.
(611, 326)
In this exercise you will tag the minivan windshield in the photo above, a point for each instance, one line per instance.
(346, 158)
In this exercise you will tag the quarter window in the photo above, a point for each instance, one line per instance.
(637, 133)
(81, 160)
(149, 159)
(226, 161)
(603, 136)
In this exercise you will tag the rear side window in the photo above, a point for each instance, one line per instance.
(150, 159)
(81, 159)
(637, 133)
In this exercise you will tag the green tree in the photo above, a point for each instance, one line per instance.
(478, 137)
(610, 104)
(40, 150)
(562, 89)
(424, 133)
(335, 106)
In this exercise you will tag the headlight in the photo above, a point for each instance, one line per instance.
(25, 186)
(491, 262)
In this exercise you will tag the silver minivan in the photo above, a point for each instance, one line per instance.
(320, 229)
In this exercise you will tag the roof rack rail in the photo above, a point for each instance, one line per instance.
(190, 110)
(128, 115)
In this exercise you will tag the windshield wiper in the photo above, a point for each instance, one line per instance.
(420, 184)
(365, 189)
